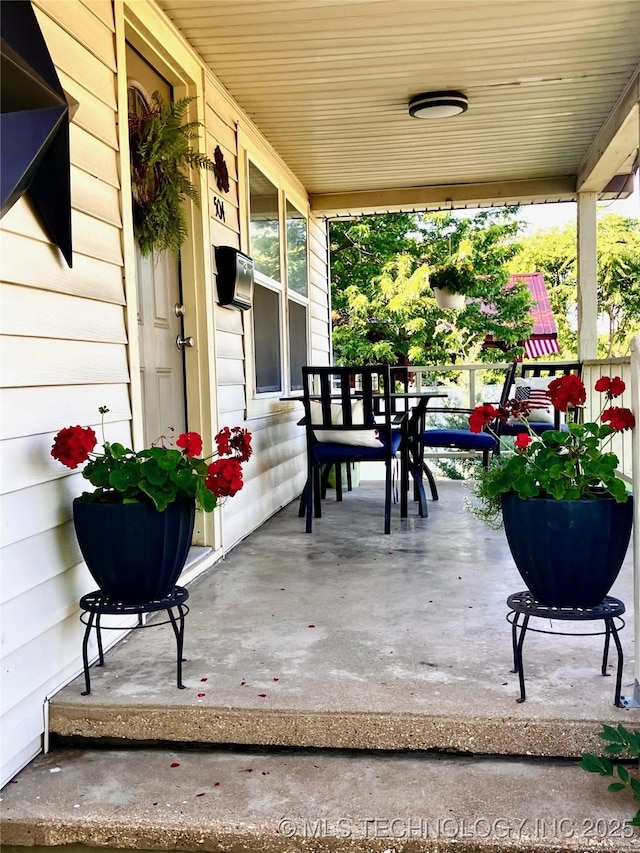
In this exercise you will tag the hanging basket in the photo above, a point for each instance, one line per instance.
(447, 299)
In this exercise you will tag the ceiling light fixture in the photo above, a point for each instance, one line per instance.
(438, 105)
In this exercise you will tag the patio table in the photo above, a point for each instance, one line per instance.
(409, 420)
(417, 403)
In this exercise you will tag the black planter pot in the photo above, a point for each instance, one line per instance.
(134, 553)
(568, 553)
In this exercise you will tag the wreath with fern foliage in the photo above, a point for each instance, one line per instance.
(161, 156)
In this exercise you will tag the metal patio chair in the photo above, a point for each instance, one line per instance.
(348, 418)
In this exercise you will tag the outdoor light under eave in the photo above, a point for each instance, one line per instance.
(438, 105)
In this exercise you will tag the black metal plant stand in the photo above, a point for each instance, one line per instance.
(96, 604)
(523, 603)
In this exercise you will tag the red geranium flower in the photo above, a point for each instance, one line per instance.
(613, 387)
(236, 441)
(481, 416)
(158, 473)
(224, 477)
(190, 442)
(522, 440)
(72, 445)
(617, 387)
(567, 391)
(618, 418)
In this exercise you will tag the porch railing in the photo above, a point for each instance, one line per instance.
(470, 384)
(592, 371)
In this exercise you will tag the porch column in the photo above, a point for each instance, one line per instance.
(587, 277)
(634, 701)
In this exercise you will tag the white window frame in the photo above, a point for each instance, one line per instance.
(268, 402)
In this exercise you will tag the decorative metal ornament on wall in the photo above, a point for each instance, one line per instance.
(220, 170)
(34, 125)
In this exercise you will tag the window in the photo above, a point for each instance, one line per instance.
(297, 278)
(266, 307)
(297, 343)
(281, 286)
(264, 224)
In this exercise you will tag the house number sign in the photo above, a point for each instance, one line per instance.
(218, 208)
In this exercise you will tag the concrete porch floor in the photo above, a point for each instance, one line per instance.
(320, 669)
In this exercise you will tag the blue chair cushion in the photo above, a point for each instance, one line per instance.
(328, 451)
(518, 428)
(463, 439)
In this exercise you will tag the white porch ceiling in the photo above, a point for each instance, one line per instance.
(553, 89)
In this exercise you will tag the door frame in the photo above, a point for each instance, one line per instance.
(146, 29)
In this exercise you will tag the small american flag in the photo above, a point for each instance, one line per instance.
(537, 398)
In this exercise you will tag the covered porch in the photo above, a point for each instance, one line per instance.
(394, 650)
(357, 641)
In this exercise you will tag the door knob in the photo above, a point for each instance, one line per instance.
(184, 342)
(178, 309)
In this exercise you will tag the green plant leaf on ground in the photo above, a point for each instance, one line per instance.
(626, 744)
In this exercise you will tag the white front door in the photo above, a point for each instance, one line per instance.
(160, 322)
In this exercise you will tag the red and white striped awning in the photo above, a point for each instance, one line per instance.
(544, 335)
(535, 347)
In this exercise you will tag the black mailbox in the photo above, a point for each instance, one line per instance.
(235, 277)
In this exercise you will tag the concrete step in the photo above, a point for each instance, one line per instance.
(463, 733)
(320, 800)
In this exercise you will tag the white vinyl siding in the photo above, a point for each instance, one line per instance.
(63, 354)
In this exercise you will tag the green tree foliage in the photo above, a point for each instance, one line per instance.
(360, 249)
(619, 281)
(553, 253)
(383, 306)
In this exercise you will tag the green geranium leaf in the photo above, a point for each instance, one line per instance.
(572, 493)
(182, 478)
(199, 466)
(119, 450)
(153, 472)
(618, 489)
(160, 497)
(526, 487)
(588, 429)
(205, 497)
(125, 477)
(170, 460)
(556, 469)
(97, 473)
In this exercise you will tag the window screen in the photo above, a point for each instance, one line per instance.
(266, 333)
(297, 343)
